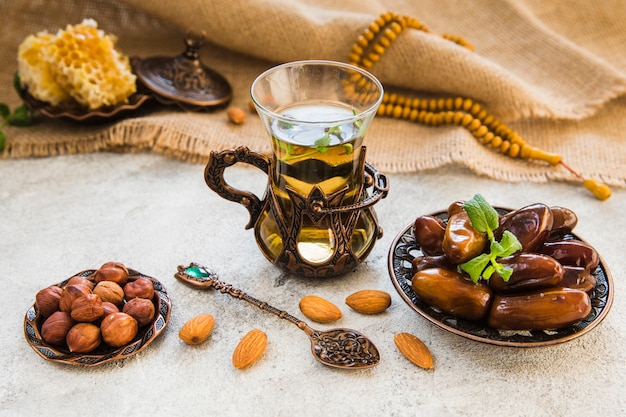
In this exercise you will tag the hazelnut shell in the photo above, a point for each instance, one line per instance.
(112, 271)
(118, 329)
(71, 293)
(139, 288)
(109, 308)
(83, 338)
(55, 328)
(141, 309)
(110, 291)
(87, 308)
(47, 300)
(80, 280)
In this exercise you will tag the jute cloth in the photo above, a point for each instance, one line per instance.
(553, 71)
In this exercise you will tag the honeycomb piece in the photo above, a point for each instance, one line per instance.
(79, 63)
(36, 73)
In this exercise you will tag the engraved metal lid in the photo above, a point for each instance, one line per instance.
(184, 80)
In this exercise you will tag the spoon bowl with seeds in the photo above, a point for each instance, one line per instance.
(338, 348)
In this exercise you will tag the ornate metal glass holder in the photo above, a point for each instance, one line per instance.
(316, 218)
(322, 209)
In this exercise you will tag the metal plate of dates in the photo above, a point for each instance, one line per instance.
(404, 249)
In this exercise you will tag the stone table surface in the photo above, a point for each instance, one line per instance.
(62, 215)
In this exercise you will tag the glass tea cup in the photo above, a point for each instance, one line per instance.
(316, 218)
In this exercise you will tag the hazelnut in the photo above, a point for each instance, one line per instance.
(141, 309)
(55, 328)
(109, 308)
(71, 293)
(141, 288)
(83, 337)
(80, 280)
(47, 300)
(110, 291)
(112, 271)
(87, 308)
(118, 329)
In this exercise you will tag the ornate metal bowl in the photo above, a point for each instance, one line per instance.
(83, 115)
(404, 249)
(103, 354)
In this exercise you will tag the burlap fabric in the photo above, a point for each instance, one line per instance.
(554, 71)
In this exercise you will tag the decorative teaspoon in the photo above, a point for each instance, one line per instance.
(339, 348)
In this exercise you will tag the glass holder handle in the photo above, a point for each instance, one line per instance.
(214, 177)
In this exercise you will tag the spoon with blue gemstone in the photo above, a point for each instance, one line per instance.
(339, 348)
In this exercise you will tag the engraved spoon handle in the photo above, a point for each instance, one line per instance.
(226, 288)
(211, 279)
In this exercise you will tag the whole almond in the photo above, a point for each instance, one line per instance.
(369, 301)
(236, 115)
(249, 349)
(319, 309)
(414, 350)
(197, 329)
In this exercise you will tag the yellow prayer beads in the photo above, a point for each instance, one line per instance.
(368, 50)
(468, 114)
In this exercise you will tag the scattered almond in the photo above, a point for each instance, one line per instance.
(414, 350)
(249, 349)
(236, 115)
(369, 301)
(197, 329)
(319, 309)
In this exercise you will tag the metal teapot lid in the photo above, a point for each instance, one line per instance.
(184, 80)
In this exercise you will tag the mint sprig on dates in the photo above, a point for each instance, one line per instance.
(485, 219)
